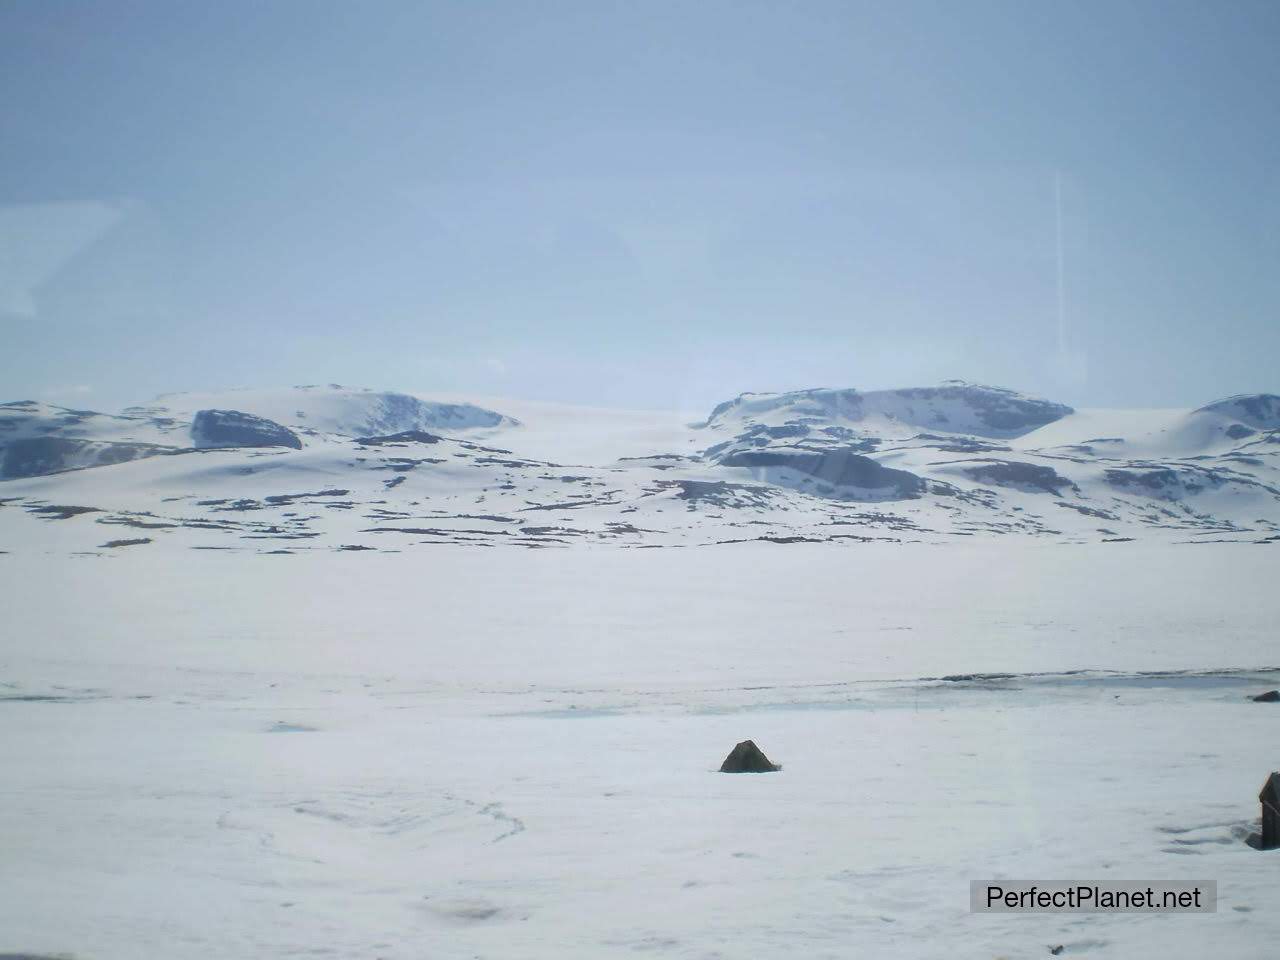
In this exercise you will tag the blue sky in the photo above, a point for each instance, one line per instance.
(639, 204)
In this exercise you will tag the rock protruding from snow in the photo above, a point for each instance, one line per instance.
(1177, 481)
(1019, 475)
(39, 456)
(953, 407)
(746, 757)
(234, 428)
(39, 438)
(842, 472)
(1271, 696)
(404, 436)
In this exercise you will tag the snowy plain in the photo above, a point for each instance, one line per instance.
(469, 752)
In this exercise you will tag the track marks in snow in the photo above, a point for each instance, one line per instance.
(1188, 840)
(382, 815)
(515, 824)
(466, 911)
(393, 822)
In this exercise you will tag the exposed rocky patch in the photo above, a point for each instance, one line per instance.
(843, 473)
(284, 499)
(1088, 511)
(1182, 480)
(1261, 411)
(59, 512)
(40, 456)
(232, 428)
(138, 521)
(1028, 477)
(719, 493)
(399, 439)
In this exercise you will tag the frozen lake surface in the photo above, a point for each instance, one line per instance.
(484, 753)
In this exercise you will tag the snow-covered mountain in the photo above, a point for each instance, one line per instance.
(953, 407)
(312, 468)
(331, 409)
(39, 438)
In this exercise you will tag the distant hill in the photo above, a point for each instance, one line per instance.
(334, 468)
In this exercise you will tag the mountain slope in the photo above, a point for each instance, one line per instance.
(930, 465)
(330, 409)
(954, 407)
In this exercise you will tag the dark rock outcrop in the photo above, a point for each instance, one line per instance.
(746, 757)
(838, 467)
(397, 412)
(1271, 696)
(38, 456)
(404, 436)
(1002, 410)
(1021, 476)
(54, 511)
(1258, 410)
(1174, 482)
(231, 428)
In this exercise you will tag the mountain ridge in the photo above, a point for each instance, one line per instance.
(343, 468)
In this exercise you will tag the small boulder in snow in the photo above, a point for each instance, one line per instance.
(746, 757)
(1271, 696)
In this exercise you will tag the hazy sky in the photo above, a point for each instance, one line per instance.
(639, 204)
